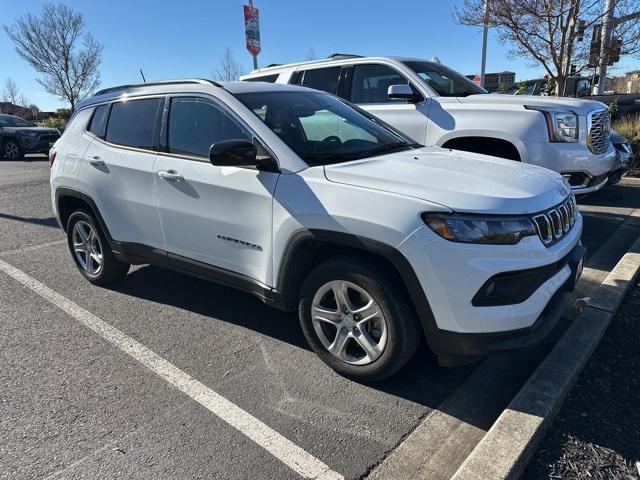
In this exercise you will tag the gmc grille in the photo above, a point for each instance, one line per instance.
(553, 224)
(599, 124)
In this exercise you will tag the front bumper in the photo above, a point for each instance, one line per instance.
(451, 274)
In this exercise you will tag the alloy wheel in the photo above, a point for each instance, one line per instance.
(11, 150)
(87, 248)
(349, 322)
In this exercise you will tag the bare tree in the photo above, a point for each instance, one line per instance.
(11, 93)
(56, 45)
(228, 69)
(546, 32)
(311, 54)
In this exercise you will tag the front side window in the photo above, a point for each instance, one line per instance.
(444, 81)
(325, 79)
(132, 122)
(196, 123)
(322, 129)
(371, 84)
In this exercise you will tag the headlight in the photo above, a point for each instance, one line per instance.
(561, 124)
(479, 229)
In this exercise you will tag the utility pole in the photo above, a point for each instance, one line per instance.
(607, 24)
(484, 42)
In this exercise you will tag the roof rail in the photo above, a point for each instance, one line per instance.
(274, 65)
(344, 55)
(202, 81)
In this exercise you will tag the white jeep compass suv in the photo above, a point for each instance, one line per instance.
(294, 196)
(437, 106)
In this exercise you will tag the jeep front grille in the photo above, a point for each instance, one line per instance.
(554, 224)
(599, 125)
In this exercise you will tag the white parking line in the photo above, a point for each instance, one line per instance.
(277, 445)
(32, 247)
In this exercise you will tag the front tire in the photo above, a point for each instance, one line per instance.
(357, 319)
(11, 150)
(91, 251)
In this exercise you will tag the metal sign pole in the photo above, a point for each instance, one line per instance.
(484, 42)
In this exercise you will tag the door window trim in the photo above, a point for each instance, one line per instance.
(163, 130)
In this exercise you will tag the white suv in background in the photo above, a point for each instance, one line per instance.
(437, 106)
(294, 196)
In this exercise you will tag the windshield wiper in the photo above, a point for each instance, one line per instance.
(386, 149)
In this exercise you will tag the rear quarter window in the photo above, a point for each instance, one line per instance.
(264, 78)
(98, 121)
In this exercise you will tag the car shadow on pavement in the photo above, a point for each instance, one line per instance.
(421, 381)
(622, 196)
(43, 222)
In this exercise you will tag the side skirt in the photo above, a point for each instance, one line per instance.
(138, 254)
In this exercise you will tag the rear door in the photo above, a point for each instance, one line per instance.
(118, 169)
(367, 87)
(218, 216)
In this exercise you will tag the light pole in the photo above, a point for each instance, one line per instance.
(485, 19)
(605, 43)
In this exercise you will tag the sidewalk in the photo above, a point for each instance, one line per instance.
(596, 435)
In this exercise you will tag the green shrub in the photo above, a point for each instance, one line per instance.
(54, 122)
(629, 128)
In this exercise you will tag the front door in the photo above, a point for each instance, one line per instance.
(217, 216)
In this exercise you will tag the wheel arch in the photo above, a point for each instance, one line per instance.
(69, 200)
(480, 140)
(307, 248)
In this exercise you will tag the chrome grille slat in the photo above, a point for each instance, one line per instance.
(554, 224)
(599, 125)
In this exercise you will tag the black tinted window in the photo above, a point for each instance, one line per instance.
(325, 79)
(132, 122)
(446, 82)
(265, 78)
(99, 120)
(371, 84)
(197, 123)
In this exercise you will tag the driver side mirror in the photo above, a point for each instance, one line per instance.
(403, 91)
(238, 153)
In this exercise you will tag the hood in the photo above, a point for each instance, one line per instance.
(581, 107)
(463, 182)
(38, 130)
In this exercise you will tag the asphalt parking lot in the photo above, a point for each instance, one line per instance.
(74, 405)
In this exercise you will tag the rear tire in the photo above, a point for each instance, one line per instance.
(11, 150)
(91, 252)
(338, 331)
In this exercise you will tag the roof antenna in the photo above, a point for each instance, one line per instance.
(142, 74)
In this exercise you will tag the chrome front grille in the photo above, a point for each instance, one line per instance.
(553, 224)
(599, 124)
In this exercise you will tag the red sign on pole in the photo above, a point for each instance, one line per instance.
(477, 80)
(252, 29)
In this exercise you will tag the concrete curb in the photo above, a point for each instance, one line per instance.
(505, 450)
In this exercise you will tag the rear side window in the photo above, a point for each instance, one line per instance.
(196, 123)
(325, 79)
(371, 83)
(99, 121)
(264, 78)
(132, 122)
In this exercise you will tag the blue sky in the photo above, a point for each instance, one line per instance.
(170, 39)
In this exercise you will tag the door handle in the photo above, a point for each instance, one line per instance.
(96, 161)
(170, 175)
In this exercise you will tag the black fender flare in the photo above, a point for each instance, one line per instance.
(292, 267)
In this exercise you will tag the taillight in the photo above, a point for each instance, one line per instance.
(52, 158)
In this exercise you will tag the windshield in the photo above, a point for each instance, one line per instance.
(446, 82)
(320, 128)
(11, 121)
